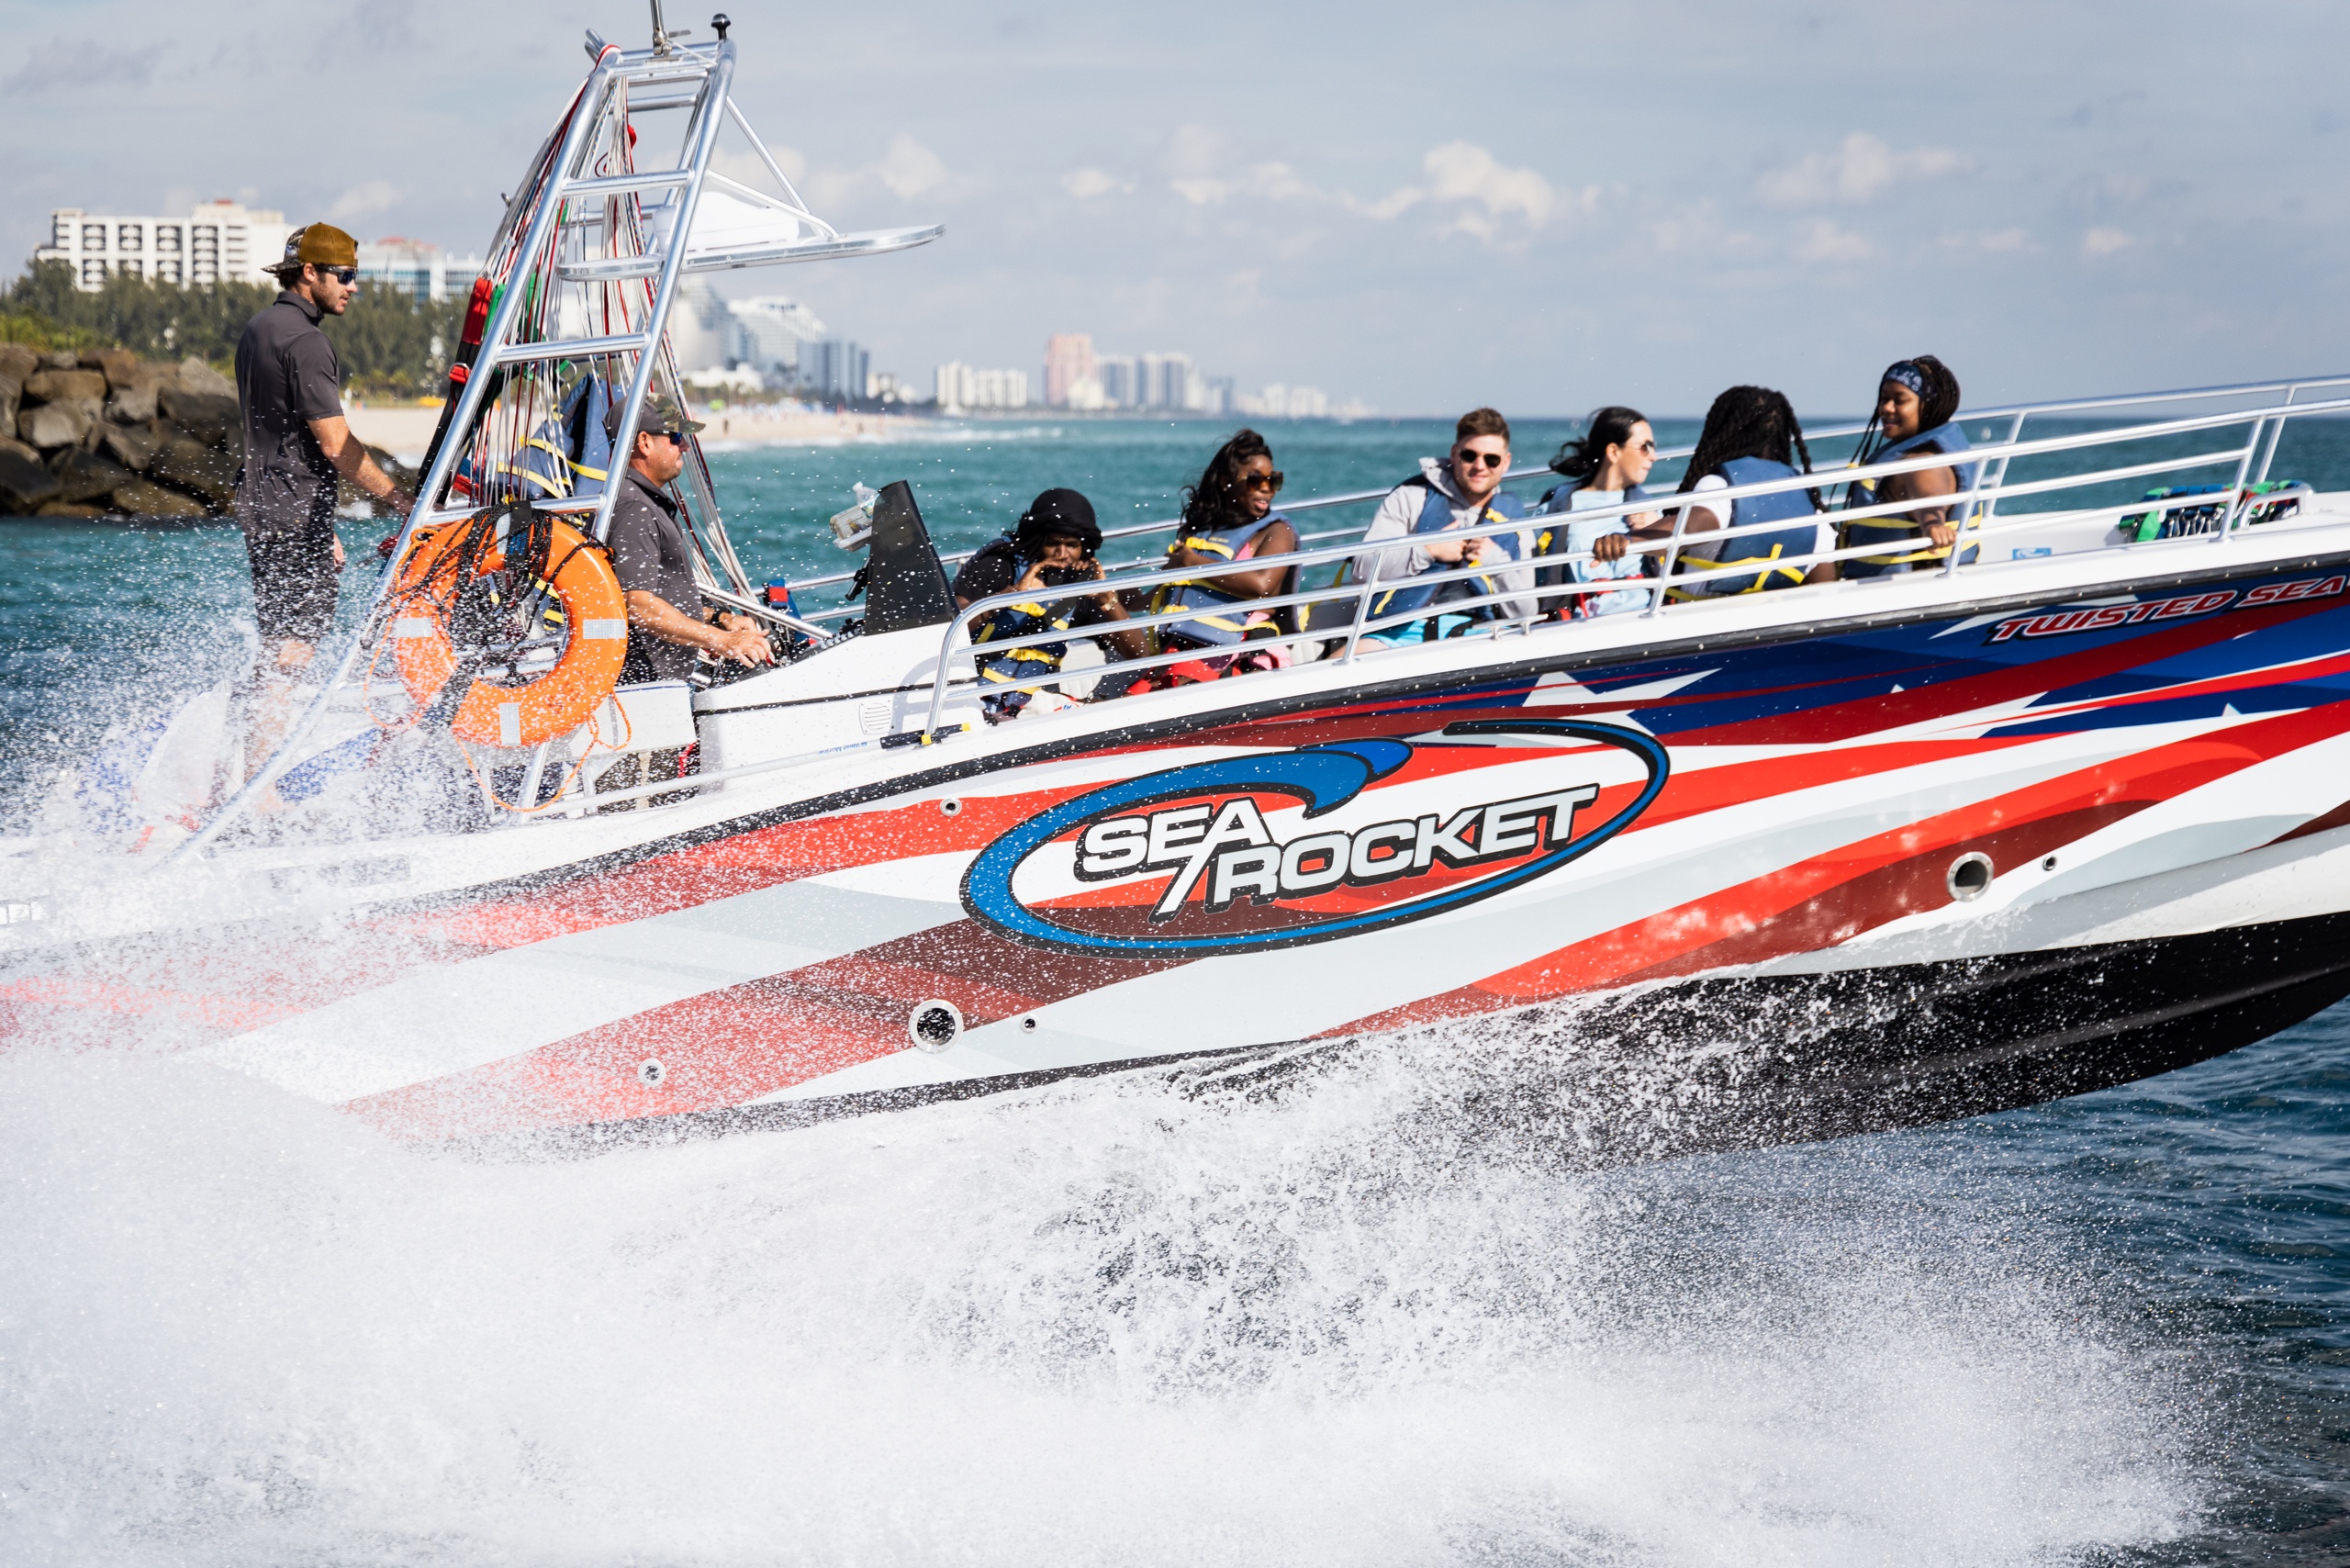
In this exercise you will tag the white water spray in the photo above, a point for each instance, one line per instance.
(1105, 1323)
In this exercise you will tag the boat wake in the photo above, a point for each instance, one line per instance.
(1121, 1319)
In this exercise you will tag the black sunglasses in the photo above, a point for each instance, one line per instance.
(1271, 481)
(345, 275)
(1488, 459)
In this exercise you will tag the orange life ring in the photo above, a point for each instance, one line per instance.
(594, 614)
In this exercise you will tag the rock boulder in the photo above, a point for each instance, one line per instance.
(11, 400)
(133, 446)
(18, 363)
(133, 404)
(139, 498)
(87, 476)
(75, 509)
(197, 376)
(24, 483)
(189, 466)
(120, 366)
(63, 359)
(52, 425)
(210, 417)
(65, 386)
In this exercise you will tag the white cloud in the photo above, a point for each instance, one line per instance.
(2104, 243)
(1462, 170)
(365, 201)
(1859, 168)
(1824, 242)
(1087, 183)
(1392, 205)
(2007, 241)
(80, 64)
(1275, 182)
(751, 170)
(909, 168)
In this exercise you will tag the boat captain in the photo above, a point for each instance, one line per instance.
(668, 626)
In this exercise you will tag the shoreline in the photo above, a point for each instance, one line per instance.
(404, 430)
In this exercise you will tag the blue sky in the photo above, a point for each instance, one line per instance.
(1541, 207)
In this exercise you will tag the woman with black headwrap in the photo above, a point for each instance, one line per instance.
(1917, 400)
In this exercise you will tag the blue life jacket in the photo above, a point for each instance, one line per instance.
(1023, 620)
(1435, 516)
(1225, 615)
(1752, 542)
(1904, 544)
(588, 451)
(1553, 541)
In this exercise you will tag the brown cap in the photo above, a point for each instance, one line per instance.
(322, 244)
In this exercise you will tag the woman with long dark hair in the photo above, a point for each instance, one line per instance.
(1752, 436)
(1228, 517)
(1917, 406)
(1605, 468)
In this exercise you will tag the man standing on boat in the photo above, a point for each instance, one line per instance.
(667, 624)
(298, 449)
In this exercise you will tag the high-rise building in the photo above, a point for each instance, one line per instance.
(219, 241)
(1117, 375)
(1068, 361)
(423, 269)
(835, 368)
(1219, 399)
(959, 385)
(1164, 382)
(770, 331)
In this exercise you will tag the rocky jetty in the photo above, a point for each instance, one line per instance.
(106, 434)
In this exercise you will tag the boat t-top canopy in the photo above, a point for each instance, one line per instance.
(576, 297)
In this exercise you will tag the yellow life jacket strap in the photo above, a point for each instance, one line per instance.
(1758, 565)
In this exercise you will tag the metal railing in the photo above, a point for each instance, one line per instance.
(1364, 630)
(2015, 413)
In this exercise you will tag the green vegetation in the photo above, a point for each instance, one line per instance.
(391, 343)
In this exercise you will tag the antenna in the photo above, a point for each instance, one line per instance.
(660, 32)
(721, 22)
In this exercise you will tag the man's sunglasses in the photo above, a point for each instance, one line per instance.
(344, 275)
(675, 437)
(1271, 481)
(1488, 459)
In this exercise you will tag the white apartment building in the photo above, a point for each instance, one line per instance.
(769, 331)
(219, 241)
(424, 270)
(959, 386)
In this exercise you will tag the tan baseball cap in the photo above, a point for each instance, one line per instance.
(320, 244)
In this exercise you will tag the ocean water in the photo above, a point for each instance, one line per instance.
(1116, 1321)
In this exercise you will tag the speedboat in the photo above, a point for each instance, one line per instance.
(2066, 807)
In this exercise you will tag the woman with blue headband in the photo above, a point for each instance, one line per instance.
(1917, 401)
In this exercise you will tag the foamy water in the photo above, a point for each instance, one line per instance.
(1105, 1323)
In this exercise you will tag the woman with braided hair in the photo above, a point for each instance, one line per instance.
(1917, 401)
(1751, 435)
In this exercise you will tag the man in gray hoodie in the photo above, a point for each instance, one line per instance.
(1457, 491)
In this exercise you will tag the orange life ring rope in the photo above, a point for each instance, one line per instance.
(594, 614)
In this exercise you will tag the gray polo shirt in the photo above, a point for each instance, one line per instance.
(286, 376)
(650, 556)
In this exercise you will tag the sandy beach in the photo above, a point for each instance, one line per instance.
(405, 429)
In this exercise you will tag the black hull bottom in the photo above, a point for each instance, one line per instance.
(1743, 1062)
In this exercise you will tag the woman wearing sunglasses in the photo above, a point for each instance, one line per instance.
(1605, 468)
(1228, 517)
(1460, 491)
